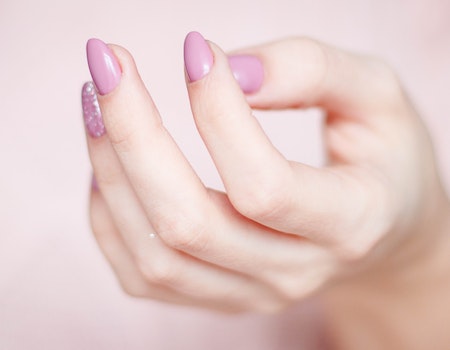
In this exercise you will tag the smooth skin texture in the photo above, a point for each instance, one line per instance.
(282, 230)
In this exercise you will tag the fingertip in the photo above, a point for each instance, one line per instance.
(92, 115)
(103, 66)
(198, 58)
(200, 55)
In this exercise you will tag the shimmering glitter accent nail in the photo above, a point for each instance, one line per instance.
(91, 111)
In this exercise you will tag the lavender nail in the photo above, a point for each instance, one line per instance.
(103, 65)
(248, 71)
(198, 57)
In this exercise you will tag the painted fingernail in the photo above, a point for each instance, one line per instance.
(248, 71)
(94, 184)
(198, 57)
(91, 111)
(103, 65)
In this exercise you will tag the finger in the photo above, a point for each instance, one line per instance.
(301, 72)
(197, 281)
(168, 188)
(261, 183)
(183, 217)
(162, 266)
(119, 257)
(281, 267)
(130, 277)
(293, 266)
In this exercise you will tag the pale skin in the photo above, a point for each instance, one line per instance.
(282, 230)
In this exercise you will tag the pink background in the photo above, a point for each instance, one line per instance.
(56, 290)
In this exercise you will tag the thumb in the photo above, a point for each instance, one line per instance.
(301, 72)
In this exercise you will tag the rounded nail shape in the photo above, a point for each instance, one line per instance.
(91, 111)
(103, 65)
(248, 71)
(198, 58)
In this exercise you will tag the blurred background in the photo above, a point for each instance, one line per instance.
(56, 289)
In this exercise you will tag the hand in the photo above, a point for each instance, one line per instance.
(283, 229)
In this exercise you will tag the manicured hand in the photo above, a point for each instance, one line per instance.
(282, 230)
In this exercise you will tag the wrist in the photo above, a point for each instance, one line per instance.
(399, 301)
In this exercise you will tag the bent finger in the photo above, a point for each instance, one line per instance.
(162, 178)
(191, 280)
(260, 182)
(302, 72)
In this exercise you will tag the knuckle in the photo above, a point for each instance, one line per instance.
(309, 77)
(133, 289)
(261, 200)
(375, 215)
(160, 272)
(317, 56)
(272, 307)
(352, 253)
(121, 136)
(107, 177)
(106, 172)
(386, 80)
(320, 57)
(184, 233)
(290, 290)
(298, 287)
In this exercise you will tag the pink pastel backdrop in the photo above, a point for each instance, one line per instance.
(56, 290)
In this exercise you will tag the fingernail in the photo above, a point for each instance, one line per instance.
(105, 69)
(94, 184)
(91, 111)
(248, 71)
(198, 57)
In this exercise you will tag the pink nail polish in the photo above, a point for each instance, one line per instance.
(91, 111)
(94, 184)
(248, 71)
(105, 69)
(198, 57)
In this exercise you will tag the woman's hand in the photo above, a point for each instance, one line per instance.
(283, 229)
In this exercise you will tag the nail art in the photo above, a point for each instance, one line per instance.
(248, 71)
(198, 58)
(103, 65)
(91, 111)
